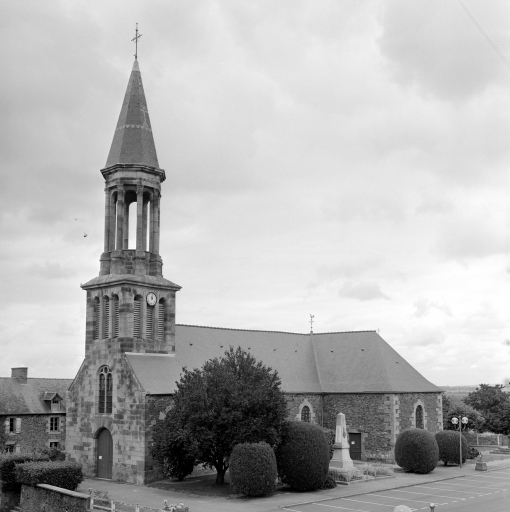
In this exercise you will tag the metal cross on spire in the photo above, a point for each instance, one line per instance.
(311, 323)
(135, 40)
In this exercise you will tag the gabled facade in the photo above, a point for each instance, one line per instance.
(32, 412)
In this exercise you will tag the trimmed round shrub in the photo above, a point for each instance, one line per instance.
(303, 456)
(67, 475)
(330, 436)
(416, 450)
(449, 447)
(253, 469)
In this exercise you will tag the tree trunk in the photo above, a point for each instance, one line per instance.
(220, 475)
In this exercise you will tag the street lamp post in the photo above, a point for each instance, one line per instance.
(460, 424)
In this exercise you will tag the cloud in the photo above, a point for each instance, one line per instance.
(471, 237)
(49, 270)
(423, 306)
(436, 47)
(362, 291)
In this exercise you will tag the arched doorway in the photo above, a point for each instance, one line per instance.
(104, 454)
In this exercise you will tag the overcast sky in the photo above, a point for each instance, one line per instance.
(341, 158)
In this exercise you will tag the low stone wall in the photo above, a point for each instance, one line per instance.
(52, 499)
(486, 439)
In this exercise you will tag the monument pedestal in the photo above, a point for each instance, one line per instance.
(341, 456)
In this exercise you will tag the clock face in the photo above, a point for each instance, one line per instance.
(151, 299)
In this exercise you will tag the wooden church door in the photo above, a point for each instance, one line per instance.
(104, 454)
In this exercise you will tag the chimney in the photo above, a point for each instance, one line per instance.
(20, 373)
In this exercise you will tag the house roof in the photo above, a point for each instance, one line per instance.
(30, 398)
(341, 362)
(133, 142)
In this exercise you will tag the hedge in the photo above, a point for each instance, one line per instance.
(416, 450)
(303, 456)
(7, 469)
(253, 469)
(67, 475)
(449, 446)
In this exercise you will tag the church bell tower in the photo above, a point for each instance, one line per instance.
(130, 304)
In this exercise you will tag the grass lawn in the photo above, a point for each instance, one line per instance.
(204, 485)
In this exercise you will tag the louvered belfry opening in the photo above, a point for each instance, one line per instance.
(137, 317)
(105, 390)
(116, 316)
(149, 323)
(161, 320)
(96, 319)
(106, 317)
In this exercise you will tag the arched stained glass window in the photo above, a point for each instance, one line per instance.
(419, 416)
(305, 414)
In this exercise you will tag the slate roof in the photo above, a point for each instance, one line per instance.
(340, 362)
(133, 142)
(29, 398)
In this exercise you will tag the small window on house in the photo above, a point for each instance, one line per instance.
(54, 424)
(54, 444)
(137, 317)
(305, 414)
(9, 448)
(55, 405)
(105, 390)
(12, 424)
(106, 317)
(95, 319)
(419, 416)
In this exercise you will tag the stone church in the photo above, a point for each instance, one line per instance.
(134, 350)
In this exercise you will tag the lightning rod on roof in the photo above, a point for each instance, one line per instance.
(311, 323)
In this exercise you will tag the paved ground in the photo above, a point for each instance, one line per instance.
(473, 492)
(483, 483)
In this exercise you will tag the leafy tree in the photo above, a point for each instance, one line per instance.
(457, 408)
(230, 400)
(494, 405)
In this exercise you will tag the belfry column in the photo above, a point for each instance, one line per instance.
(156, 199)
(125, 227)
(139, 217)
(140, 266)
(107, 207)
(144, 226)
(111, 244)
(120, 217)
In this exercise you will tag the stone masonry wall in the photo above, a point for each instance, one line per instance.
(432, 410)
(35, 432)
(295, 403)
(126, 423)
(368, 414)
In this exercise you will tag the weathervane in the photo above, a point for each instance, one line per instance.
(135, 40)
(311, 322)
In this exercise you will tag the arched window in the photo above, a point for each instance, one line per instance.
(149, 324)
(95, 319)
(161, 320)
(137, 317)
(419, 416)
(116, 316)
(305, 414)
(106, 317)
(105, 390)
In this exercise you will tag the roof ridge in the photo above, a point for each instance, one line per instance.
(38, 378)
(266, 330)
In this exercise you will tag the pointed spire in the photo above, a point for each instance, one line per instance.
(133, 142)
